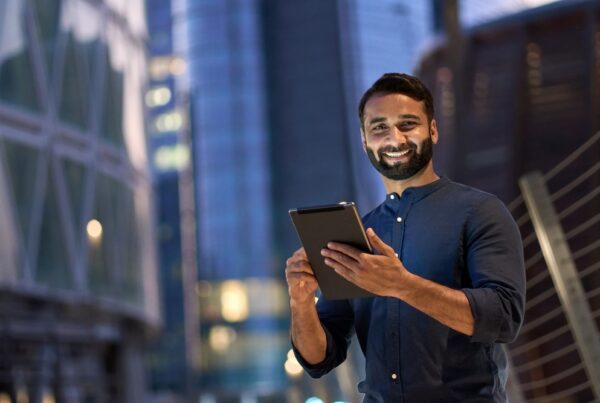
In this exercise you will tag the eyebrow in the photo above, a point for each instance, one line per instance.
(405, 116)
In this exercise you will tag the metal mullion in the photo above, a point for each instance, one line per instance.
(38, 61)
(14, 228)
(96, 106)
(20, 117)
(21, 136)
(65, 215)
(41, 84)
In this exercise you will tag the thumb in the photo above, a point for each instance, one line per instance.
(381, 247)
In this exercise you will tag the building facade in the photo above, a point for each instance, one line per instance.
(530, 107)
(77, 260)
(274, 89)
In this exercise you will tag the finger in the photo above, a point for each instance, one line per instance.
(342, 270)
(301, 278)
(339, 257)
(345, 249)
(381, 247)
(300, 253)
(299, 267)
(296, 260)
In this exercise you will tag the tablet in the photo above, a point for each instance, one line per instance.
(316, 226)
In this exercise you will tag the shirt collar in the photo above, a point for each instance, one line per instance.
(417, 193)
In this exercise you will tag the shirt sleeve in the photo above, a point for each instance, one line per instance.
(337, 319)
(494, 259)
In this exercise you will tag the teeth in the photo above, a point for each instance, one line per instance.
(397, 154)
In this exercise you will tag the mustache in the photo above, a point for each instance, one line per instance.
(392, 149)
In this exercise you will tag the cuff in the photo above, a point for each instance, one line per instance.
(487, 312)
(321, 368)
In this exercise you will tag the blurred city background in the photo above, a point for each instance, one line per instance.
(150, 151)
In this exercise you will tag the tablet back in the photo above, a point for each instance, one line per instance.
(316, 226)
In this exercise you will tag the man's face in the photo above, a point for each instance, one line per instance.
(397, 135)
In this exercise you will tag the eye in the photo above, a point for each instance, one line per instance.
(381, 127)
(407, 125)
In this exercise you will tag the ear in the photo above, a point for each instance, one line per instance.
(363, 138)
(433, 131)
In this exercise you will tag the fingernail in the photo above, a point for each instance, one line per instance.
(323, 252)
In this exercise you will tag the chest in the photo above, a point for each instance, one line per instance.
(429, 242)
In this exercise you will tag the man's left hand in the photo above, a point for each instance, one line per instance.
(382, 274)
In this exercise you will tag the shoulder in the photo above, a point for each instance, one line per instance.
(469, 195)
(485, 213)
(475, 201)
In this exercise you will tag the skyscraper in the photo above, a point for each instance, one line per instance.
(78, 290)
(274, 87)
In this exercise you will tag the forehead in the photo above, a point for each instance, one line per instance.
(393, 105)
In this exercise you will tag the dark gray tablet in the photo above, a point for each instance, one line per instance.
(316, 226)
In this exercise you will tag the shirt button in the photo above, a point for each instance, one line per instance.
(392, 197)
(394, 376)
(399, 219)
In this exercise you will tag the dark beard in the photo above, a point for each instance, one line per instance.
(402, 171)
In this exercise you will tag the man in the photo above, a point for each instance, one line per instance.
(448, 272)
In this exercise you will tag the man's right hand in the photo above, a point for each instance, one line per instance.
(300, 277)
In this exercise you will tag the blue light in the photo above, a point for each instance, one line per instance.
(313, 400)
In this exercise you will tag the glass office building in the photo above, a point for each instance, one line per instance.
(78, 289)
(166, 360)
(274, 87)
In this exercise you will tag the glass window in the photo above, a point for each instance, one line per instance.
(81, 23)
(47, 14)
(21, 165)
(114, 244)
(74, 174)
(112, 118)
(16, 75)
(74, 103)
(103, 238)
(131, 262)
(52, 262)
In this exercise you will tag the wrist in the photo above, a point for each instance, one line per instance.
(302, 303)
(405, 286)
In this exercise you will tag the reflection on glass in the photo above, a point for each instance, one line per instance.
(16, 74)
(112, 119)
(103, 255)
(81, 23)
(52, 263)
(46, 14)
(74, 103)
(132, 281)
(74, 173)
(21, 164)
(114, 264)
(94, 231)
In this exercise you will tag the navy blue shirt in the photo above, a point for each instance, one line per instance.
(462, 238)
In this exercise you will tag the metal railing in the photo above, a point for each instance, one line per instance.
(557, 356)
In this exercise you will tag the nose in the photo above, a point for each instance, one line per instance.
(398, 136)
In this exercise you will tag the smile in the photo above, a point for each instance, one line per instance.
(398, 154)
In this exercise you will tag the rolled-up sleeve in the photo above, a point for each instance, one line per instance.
(494, 259)
(337, 321)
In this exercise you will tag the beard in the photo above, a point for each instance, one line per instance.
(400, 171)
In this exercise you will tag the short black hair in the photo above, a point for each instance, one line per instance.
(398, 83)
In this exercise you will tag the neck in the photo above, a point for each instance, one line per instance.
(424, 177)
